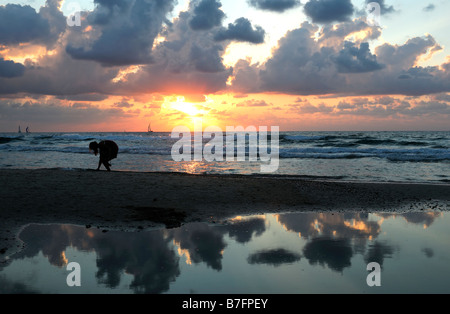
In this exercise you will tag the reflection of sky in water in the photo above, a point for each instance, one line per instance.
(285, 253)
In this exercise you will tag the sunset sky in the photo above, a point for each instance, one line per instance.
(300, 65)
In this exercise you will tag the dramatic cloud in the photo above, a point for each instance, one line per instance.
(128, 31)
(300, 65)
(59, 74)
(207, 14)
(22, 24)
(10, 69)
(206, 59)
(274, 5)
(135, 48)
(354, 60)
(312, 62)
(241, 30)
(401, 57)
(327, 11)
(187, 62)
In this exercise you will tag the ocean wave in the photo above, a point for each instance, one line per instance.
(165, 148)
(391, 142)
(303, 138)
(414, 155)
(374, 141)
(358, 139)
(7, 139)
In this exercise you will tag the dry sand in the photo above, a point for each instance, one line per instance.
(133, 201)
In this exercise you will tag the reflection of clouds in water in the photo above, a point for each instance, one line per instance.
(275, 257)
(144, 255)
(147, 256)
(335, 238)
(152, 257)
(350, 225)
(425, 218)
(378, 251)
(428, 252)
(9, 287)
(335, 253)
(202, 243)
(242, 230)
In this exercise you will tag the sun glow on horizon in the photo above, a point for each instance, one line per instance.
(189, 108)
(188, 113)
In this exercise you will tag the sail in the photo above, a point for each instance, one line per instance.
(20, 130)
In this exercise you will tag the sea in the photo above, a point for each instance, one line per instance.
(416, 156)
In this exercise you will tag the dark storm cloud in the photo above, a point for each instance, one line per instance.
(327, 11)
(241, 30)
(10, 69)
(274, 5)
(352, 59)
(107, 10)
(21, 24)
(207, 59)
(128, 30)
(207, 14)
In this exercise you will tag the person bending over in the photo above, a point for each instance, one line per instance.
(108, 151)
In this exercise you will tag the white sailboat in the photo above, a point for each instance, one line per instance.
(149, 128)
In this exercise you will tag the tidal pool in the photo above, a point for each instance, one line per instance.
(268, 254)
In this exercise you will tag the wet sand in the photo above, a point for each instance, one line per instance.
(134, 201)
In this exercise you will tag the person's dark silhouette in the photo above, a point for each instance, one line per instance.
(108, 151)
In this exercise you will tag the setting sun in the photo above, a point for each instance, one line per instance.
(183, 112)
(181, 105)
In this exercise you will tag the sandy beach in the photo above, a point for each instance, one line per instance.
(134, 201)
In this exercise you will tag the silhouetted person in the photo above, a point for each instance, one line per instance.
(108, 151)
